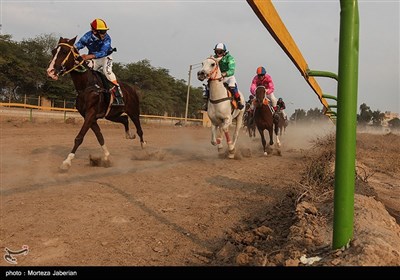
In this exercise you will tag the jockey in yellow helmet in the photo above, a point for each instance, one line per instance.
(98, 42)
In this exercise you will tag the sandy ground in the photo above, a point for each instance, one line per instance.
(180, 203)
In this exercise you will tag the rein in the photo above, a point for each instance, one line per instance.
(76, 55)
(215, 72)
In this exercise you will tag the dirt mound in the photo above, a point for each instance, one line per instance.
(297, 231)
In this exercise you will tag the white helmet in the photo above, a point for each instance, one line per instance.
(220, 46)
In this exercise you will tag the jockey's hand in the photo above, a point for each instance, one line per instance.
(223, 74)
(88, 56)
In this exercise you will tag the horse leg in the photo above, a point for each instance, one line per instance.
(216, 139)
(239, 122)
(78, 141)
(264, 143)
(136, 121)
(96, 129)
(278, 142)
(231, 144)
(124, 120)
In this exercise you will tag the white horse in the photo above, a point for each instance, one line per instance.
(219, 107)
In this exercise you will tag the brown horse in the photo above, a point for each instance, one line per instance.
(265, 119)
(93, 98)
(248, 121)
(282, 123)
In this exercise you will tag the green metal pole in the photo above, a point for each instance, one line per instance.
(329, 97)
(318, 73)
(346, 124)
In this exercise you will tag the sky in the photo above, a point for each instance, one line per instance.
(176, 34)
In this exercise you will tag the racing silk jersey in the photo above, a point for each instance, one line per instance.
(266, 82)
(227, 64)
(100, 48)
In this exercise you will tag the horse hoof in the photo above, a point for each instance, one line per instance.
(265, 154)
(130, 136)
(143, 144)
(64, 168)
(106, 163)
(231, 156)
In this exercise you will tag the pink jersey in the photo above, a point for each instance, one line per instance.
(266, 82)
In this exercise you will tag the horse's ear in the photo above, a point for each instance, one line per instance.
(72, 41)
(59, 40)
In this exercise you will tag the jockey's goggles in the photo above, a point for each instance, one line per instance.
(102, 31)
(219, 51)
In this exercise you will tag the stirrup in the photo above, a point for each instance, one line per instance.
(239, 104)
(118, 101)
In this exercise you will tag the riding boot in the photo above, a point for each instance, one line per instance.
(236, 95)
(118, 101)
(206, 95)
(204, 107)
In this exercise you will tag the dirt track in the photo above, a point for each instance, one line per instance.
(170, 204)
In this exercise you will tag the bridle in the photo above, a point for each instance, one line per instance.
(258, 101)
(78, 63)
(215, 71)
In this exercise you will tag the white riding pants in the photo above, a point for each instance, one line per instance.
(272, 99)
(105, 64)
(231, 81)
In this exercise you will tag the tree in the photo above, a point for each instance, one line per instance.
(314, 114)
(365, 115)
(299, 114)
(377, 118)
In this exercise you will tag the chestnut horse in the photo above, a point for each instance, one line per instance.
(265, 119)
(93, 99)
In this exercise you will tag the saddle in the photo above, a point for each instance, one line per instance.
(106, 90)
(233, 101)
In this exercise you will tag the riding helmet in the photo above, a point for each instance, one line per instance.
(99, 24)
(261, 71)
(220, 46)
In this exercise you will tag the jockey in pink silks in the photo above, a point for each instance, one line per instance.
(263, 79)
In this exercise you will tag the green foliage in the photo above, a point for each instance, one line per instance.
(377, 118)
(299, 114)
(365, 115)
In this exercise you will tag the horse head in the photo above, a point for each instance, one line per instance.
(210, 69)
(65, 58)
(260, 96)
